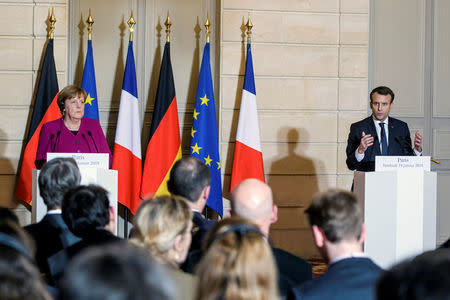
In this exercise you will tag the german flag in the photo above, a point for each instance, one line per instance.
(45, 110)
(164, 147)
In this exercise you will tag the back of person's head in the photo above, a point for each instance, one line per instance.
(85, 208)
(426, 277)
(7, 214)
(188, 177)
(252, 199)
(116, 272)
(158, 222)
(238, 263)
(338, 214)
(55, 178)
(19, 276)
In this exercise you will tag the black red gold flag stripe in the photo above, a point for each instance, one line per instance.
(45, 109)
(164, 147)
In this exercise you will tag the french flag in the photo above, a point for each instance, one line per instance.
(127, 146)
(247, 160)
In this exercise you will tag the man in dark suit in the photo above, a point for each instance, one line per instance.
(87, 213)
(336, 220)
(190, 178)
(253, 200)
(379, 134)
(51, 233)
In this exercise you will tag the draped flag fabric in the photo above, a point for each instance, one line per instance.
(247, 160)
(127, 147)
(204, 140)
(88, 84)
(164, 147)
(45, 110)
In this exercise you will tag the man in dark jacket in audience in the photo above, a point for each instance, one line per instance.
(51, 233)
(87, 213)
(336, 220)
(190, 178)
(252, 199)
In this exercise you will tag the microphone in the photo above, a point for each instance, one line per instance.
(56, 140)
(87, 142)
(52, 146)
(90, 134)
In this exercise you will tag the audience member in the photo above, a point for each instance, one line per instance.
(116, 272)
(238, 263)
(87, 213)
(19, 277)
(426, 277)
(163, 226)
(7, 215)
(190, 178)
(338, 230)
(253, 200)
(51, 233)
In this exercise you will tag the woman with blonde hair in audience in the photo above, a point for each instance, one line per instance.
(163, 226)
(238, 264)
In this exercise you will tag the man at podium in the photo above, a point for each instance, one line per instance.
(379, 134)
(72, 133)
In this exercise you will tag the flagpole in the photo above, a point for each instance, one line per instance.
(52, 21)
(208, 31)
(249, 26)
(168, 23)
(90, 21)
(131, 22)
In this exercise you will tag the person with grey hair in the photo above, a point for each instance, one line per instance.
(51, 234)
(338, 230)
(116, 272)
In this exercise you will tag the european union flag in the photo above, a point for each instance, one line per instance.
(204, 141)
(88, 84)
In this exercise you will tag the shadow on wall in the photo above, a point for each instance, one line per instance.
(7, 171)
(117, 87)
(293, 180)
(293, 177)
(186, 120)
(78, 77)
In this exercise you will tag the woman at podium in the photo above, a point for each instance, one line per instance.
(72, 133)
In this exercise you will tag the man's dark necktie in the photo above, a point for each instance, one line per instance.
(384, 146)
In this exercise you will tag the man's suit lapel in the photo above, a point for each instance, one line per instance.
(372, 131)
(391, 142)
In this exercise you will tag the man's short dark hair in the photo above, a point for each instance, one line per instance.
(85, 208)
(119, 272)
(425, 277)
(337, 213)
(382, 90)
(55, 178)
(188, 177)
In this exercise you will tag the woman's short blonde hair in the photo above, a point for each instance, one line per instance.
(238, 264)
(158, 222)
(69, 92)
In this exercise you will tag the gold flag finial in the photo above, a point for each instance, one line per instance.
(207, 25)
(131, 22)
(168, 23)
(249, 26)
(52, 21)
(90, 21)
